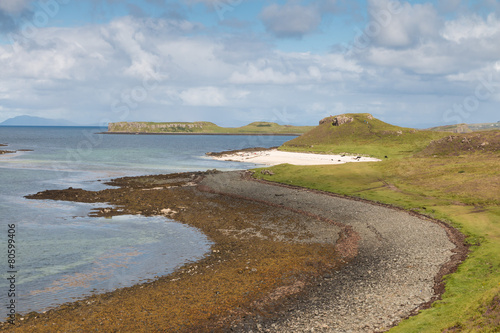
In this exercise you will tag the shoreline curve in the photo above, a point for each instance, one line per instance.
(319, 310)
(343, 299)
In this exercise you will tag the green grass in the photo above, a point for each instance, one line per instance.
(206, 127)
(447, 180)
(365, 135)
(435, 188)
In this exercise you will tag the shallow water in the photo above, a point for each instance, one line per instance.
(61, 253)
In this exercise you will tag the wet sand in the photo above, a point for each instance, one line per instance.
(284, 259)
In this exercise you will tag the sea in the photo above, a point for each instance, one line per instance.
(60, 253)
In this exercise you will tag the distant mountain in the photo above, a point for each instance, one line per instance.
(36, 121)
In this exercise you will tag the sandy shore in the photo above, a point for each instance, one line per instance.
(275, 157)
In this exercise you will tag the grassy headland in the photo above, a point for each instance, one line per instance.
(204, 127)
(454, 178)
(361, 134)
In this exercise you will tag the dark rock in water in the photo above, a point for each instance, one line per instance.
(246, 150)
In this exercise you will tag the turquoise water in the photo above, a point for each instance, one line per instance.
(61, 253)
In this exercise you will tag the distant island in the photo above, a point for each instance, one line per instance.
(36, 121)
(205, 127)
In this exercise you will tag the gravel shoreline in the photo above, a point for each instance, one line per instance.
(397, 271)
(284, 259)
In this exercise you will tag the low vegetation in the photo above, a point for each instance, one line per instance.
(454, 178)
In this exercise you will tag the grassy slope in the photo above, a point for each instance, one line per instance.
(468, 127)
(363, 136)
(452, 182)
(207, 127)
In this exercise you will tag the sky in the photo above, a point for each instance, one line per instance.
(409, 63)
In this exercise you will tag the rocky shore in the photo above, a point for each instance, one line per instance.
(3, 151)
(284, 260)
(401, 259)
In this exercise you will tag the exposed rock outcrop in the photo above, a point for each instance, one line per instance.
(337, 120)
(140, 126)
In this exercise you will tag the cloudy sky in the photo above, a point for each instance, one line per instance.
(410, 63)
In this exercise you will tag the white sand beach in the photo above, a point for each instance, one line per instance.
(274, 157)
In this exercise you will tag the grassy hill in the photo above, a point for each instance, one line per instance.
(487, 142)
(467, 128)
(202, 127)
(451, 177)
(364, 135)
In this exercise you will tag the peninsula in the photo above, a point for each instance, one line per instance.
(205, 128)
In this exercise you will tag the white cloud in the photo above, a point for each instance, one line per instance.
(14, 6)
(400, 24)
(449, 6)
(203, 96)
(255, 75)
(166, 69)
(427, 59)
(472, 27)
(290, 20)
(468, 44)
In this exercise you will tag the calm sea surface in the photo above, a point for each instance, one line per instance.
(61, 253)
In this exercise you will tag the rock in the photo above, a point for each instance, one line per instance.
(341, 120)
(336, 121)
(267, 172)
(168, 211)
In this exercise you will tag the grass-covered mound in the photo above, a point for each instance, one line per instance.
(457, 128)
(268, 127)
(361, 134)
